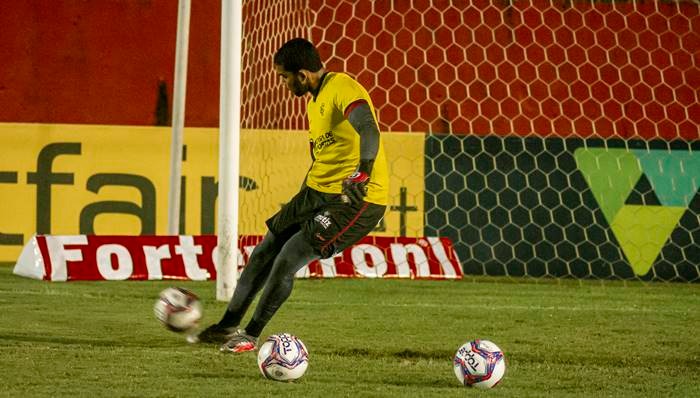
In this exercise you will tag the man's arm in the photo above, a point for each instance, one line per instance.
(360, 117)
(313, 159)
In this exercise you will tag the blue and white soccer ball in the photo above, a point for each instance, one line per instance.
(283, 357)
(479, 363)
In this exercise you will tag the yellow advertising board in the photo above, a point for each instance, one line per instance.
(92, 179)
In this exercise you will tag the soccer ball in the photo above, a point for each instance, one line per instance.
(283, 357)
(479, 363)
(178, 309)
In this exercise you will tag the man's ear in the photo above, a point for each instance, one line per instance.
(303, 75)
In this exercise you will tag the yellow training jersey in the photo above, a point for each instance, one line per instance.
(336, 144)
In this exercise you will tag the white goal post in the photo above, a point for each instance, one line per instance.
(229, 138)
(179, 94)
(229, 148)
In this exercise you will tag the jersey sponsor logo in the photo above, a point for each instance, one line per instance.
(324, 140)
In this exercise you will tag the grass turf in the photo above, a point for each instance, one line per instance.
(366, 338)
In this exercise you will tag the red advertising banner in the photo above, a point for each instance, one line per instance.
(185, 257)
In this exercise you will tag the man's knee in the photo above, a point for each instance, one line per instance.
(281, 279)
(295, 254)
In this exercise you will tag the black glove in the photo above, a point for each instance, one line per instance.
(355, 187)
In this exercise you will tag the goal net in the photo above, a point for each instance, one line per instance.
(561, 137)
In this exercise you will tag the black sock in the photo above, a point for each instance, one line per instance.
(229, 320)
(254, 328)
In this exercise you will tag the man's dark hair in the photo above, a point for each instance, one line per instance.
(297, 54)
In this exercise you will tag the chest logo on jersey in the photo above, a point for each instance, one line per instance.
(322, 108)
(324, 140)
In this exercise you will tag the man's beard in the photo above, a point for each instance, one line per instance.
(298, 89)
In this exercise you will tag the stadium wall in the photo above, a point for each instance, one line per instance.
(622, 69)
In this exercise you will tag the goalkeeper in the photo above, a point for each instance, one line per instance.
(342, 200)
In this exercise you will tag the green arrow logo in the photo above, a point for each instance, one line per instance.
(641, 230)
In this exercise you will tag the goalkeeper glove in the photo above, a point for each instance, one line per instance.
(355, 187)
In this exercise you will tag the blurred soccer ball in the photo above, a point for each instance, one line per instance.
(479, 363)
(283, 357)
(178, 309)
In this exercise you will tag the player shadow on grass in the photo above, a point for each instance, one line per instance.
(403, 354)
(407, 356)
(71, 341)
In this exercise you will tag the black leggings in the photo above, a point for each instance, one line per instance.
(272, 265)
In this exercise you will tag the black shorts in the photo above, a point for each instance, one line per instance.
(329, 224)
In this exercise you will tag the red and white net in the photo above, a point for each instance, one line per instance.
(625, 69)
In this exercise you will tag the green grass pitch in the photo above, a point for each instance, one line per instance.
(366, 338)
